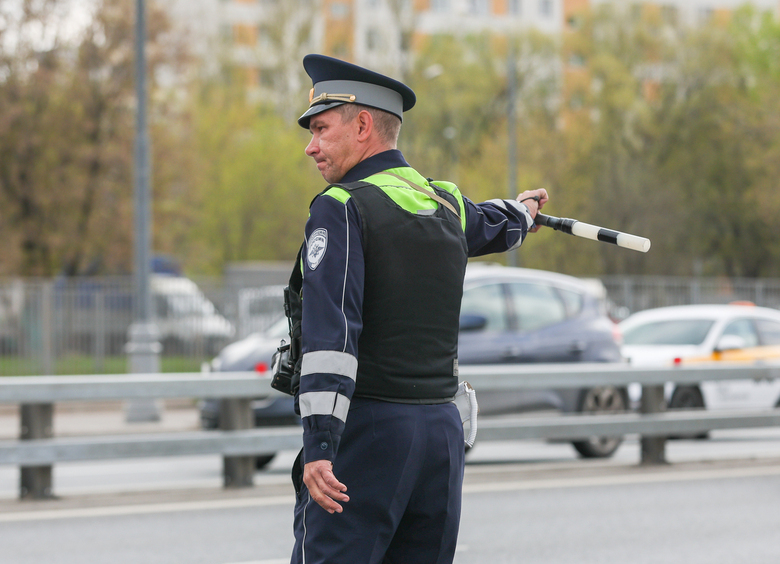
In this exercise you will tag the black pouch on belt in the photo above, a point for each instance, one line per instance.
(286, 363)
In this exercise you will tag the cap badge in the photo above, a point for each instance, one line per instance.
(325, 97)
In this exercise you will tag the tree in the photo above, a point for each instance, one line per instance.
(249, 184)
(66, 134)
(665, 137)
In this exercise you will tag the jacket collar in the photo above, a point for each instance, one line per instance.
(375, 164)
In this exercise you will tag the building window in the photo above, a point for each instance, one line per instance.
(479, 7)
(546, 8)
(669, 14)
(341, 50)
(226, 32)
(440, 6)
(339, 10)
(373, 40)
(515, 7)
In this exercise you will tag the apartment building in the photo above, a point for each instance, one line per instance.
(265, 37)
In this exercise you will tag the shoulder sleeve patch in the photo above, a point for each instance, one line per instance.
(316, 247)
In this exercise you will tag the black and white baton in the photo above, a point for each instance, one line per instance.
(588, 231)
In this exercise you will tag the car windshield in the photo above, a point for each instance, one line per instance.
(672, 332)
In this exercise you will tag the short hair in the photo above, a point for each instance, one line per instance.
(387, 125)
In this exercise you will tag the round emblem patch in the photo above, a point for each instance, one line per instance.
(317, 245)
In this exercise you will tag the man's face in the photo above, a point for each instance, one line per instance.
(332, 145)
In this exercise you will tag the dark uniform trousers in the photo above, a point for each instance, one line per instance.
(403, 468)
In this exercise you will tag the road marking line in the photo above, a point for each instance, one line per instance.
(642, 478)
(625, 479)
(121, 510)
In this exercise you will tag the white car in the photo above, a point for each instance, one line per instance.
(186, 318)
(705, 333)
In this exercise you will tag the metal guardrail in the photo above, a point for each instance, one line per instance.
(37, 450)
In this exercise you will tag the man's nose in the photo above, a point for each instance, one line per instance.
(311, 148)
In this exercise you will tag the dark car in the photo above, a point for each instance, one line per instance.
(253, 353)
(508, 315)
(520, 315)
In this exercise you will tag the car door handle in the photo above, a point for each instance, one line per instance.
(578, 346)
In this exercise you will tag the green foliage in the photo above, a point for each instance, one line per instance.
(81, 364)
(631, 121)
(249, 185)
(674, 138)
(66, 133)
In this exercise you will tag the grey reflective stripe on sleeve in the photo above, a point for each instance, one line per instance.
(330, 362)
(523, 209)
(497, 202)
(324, 403)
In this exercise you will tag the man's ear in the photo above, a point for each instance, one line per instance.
(365, 122)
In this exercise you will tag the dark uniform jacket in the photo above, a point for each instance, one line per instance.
(363, 300)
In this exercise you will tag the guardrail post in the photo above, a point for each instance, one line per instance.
(234, 414)
(653, 448)
(37, 420)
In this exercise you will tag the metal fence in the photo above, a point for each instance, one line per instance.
(37, 449)
(629, 294)
(69, 326)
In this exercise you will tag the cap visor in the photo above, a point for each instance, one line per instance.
(303, 121)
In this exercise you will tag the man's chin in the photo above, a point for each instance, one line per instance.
(329, 178)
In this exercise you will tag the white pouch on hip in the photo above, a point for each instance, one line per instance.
(466, 402)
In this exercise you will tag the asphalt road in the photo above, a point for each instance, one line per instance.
(713, 513)
(524, 501)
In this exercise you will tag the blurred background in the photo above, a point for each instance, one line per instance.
(655, 118)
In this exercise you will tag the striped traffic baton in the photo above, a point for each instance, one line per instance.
(588, 231)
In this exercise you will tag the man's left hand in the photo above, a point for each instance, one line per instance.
(533, 206)
(323, 486)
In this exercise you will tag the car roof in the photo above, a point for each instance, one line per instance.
(477, 271)
(700, 311)
(164, 283)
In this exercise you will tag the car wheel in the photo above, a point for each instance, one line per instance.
(687, 397)
(263, 461)
(602, 399)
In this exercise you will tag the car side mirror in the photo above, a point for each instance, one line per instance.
(472, 322)
(730, 343)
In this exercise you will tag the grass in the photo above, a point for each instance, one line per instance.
(83, 364)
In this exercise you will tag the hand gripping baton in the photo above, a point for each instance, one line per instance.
(588, 231)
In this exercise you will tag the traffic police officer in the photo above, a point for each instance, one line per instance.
(381, 470)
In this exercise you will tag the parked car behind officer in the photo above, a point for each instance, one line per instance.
(508, 315)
